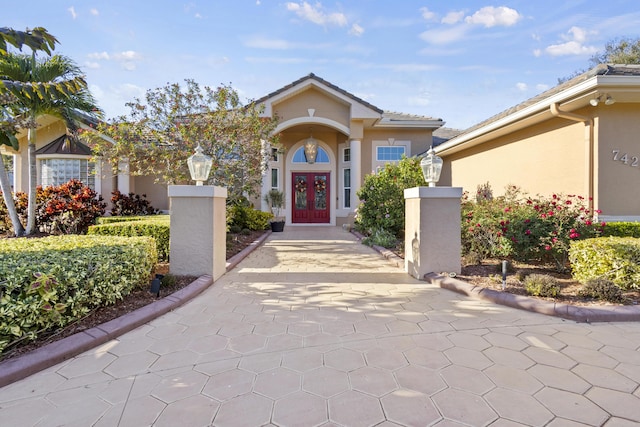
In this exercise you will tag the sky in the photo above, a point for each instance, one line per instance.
(460, 61)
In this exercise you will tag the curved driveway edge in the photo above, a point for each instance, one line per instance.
(613, 313)
(565, 311)
(20, 367)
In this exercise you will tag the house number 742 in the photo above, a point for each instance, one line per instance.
(625, 158)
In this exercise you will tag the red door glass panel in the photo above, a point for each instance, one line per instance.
(310, 197)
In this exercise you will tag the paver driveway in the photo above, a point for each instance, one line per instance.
(315, 329)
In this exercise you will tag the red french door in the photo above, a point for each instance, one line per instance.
(310, 197)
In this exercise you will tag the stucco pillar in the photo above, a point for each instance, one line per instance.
(355, 145)
(124, 180)
(198, 239)
(432, 230)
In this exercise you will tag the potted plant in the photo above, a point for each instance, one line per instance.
(275, 199)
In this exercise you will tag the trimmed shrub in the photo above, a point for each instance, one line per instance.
(132, 204)
(622, 229)
(541, 285)
(382, 197)
(248, 217)
(156, 226)
(602, 289)
(613, 258)
(52, 281)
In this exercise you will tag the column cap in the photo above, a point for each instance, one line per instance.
(433, 193)
(197, 191)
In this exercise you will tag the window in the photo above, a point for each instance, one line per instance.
(275, 174)
(274, 154)
(346, 176)
(346, 155)
(321, 157)
(389, 153)
(60, 171)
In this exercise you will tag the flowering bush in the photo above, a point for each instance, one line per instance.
(64, 209)
(527, 228)
(382, 197)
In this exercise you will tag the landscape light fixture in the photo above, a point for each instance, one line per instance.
(199, 166)
(431, 167)
(311, 148)
(608, 100)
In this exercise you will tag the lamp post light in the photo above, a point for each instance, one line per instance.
(199, 166)
(431, 167)
(311, 149)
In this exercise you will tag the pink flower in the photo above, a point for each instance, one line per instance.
(547, 248)
(527, 221)
(527, 232)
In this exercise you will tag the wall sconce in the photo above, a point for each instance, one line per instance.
(199, 166)
(311, 148)
(608, 100)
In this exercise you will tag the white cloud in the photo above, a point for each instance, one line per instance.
(127, 55)
(522, 87)
(427, 14)
(99, 55)
(574, 44)
(72, 11)
(92, 64)
(453, 17)
(197, 16)
(316, 15)
(259, 42)
(356, 30)
(94, 12)
(490, 16)
(445, 36)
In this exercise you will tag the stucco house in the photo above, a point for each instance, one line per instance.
(579, 137)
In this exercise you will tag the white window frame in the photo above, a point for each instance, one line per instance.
(378, 165)
(346, 150)
(88, 178)
(277, 177)
(346, 201)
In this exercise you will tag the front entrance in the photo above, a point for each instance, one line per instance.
(311, 197)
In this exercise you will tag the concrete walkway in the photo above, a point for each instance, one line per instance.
(315, 329)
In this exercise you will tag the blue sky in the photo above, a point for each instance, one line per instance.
(462, 61)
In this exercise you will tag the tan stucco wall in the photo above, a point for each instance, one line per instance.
(323, 104)
(156, 193)
(617, 189)
(543, 159)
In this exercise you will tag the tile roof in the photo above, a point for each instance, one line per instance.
(599, 70)
(66, 144)
(312, 76)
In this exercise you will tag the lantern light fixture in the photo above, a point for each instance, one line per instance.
(431, 166)
(199, 166)
(311, 148)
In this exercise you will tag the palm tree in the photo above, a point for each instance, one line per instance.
(38, 39)
(53, 86)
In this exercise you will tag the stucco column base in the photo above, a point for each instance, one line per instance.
(432, 230)
(198, 239)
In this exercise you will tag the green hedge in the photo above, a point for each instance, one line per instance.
(622, 229)
(112, 219)
(52, 281)
(153, 226)
(613, 258)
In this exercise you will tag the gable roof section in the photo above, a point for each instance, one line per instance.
(582, 87)
(303, 82)
(66, 144)
(359, 108)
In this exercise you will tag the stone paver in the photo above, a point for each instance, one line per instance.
(315, 329)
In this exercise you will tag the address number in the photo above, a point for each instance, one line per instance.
(625, 158)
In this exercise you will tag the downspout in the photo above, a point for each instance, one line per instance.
(588, 136)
